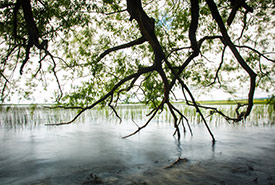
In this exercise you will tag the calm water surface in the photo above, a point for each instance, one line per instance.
(32, 153)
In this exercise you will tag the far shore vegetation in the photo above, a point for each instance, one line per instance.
(267, 100)
(241, 101)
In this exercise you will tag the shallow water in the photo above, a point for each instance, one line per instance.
(92, 150)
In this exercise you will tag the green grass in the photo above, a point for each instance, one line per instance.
(230, 102)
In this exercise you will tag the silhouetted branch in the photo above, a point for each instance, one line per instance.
(236, 4)
(171, 109)
(1, 74)
(181, 119)
(115, 12)
(56, 78)
(244, 24)
(40, 65)
(184, 87)
(3, 89)
(127, 88)
(256, 51)
(113, 108)
(219, 68)
(154, 112)
(216, 15)
(123, 46)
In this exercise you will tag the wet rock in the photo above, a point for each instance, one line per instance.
(250, 168)
(222, 182)
(42, 182)
(93, 179)
(178, 162)
(137, 183)
(240, 169)
(149, 173)
(256, 179)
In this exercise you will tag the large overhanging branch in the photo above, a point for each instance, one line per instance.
(216, 15)
(159, 55)
(137, 13)
(196, 49)
(146, 27)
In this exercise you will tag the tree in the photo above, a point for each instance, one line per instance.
(115, 51)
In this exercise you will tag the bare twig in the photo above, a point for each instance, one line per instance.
(148, 121)
(113, 108)
(219, 68)
(244, 24)
(256, 51)
(115, 12)
(40, 65)
(1, 74)
(56, 77)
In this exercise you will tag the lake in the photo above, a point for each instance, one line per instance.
(92, 150)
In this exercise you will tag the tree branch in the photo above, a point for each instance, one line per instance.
(123, 46)
(113, 108)
(194, 25)
(216, 15)
(197, 107)
(33, 33)
(175, 119)
(119, 11)
(1, 74)
(256, 51)
(147, 28)
(116, 86)
(154, 112)
(183, 117)
(236, 4)
(219, 68)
